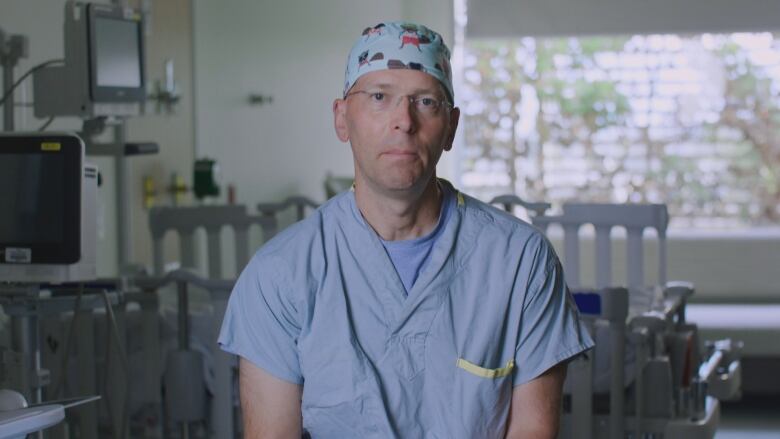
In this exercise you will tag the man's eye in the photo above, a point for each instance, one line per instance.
(427, 102)
(377, 96)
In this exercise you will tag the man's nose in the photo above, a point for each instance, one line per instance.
(403, 114)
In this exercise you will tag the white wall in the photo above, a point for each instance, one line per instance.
(737, 267)
(169, 37)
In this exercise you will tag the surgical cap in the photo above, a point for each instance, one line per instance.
(399, 45)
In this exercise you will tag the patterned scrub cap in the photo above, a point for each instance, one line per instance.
(399, 45)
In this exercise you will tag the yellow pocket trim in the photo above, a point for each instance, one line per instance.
(486, 373)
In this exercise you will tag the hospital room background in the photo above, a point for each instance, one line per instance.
(603, 103)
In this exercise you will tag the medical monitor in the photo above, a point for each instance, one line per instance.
(115, 56)
(103, 73)
(47, 209)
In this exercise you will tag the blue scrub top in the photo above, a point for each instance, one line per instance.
(409, 256)
(321, 305)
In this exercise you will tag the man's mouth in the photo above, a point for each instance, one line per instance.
(400, 153)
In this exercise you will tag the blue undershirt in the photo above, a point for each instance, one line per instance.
(410, 256)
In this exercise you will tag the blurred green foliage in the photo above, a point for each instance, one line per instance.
(558, 119)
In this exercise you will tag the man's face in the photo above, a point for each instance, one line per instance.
(395, 143)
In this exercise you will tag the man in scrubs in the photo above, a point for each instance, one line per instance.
(402, 308)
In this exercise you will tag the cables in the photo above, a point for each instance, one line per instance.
(112, 334)
(32, 70)
(60, 385)
(114, 329)
(46, 124)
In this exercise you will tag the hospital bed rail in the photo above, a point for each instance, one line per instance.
(185, 221)
(604, 217)
(508, 203)
(634, 218)
(610, 304)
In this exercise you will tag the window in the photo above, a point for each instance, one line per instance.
(692, 121)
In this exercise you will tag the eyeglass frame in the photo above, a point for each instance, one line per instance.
(412, 99)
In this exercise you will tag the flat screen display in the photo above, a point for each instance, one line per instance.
(32, 199)
(118, 57)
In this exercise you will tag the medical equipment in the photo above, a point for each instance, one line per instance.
(206, 186)
(643, 340)
(661, 392)
(166, 92)
(103, 73)
(39, 361)
(17, 423)
(17, 418)
(206, 178)
(48, 234)
(185, 397)
(185, 222)
(757, 327)
(49, 196)
(12, 49)
(102, 76)
(101, 79)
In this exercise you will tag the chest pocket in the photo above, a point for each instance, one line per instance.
(407, 353)
(482, 396)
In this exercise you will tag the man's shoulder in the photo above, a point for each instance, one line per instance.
(296, 239)
(497, 222)
(298, 255)
(492, 231)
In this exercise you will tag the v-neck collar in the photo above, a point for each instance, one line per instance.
(389, 289)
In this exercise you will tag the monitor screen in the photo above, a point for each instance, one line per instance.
(33, 202)
(40, 198)
(117, 51)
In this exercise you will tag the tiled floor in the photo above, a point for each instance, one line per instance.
(753, 419)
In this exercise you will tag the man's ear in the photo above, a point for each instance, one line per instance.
(454, 118)
(340, 119)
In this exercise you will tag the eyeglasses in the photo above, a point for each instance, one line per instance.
(382, 101)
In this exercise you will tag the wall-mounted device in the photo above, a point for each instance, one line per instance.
(103, 73)
(48, 209)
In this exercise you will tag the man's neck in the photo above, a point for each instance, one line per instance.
(400, 218)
